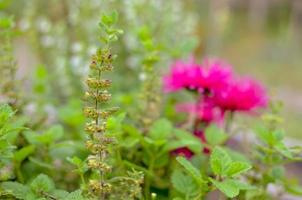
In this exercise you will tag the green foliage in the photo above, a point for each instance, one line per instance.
(230, 187)
(220, 161)
(190, 169)
(161, 130)
(183, 183)
(42, 187)
(215, 135)
(225, 170)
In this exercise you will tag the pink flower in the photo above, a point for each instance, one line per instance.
(183, 75)
(216, 73)
(241, 95)
(210, 75)
(205, 111)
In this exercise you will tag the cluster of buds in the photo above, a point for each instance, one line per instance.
(7, 62)
(100, 96)
(98, 143)
(99, 188)
(95, 83)
(97, 96)
(150, 95)
(102, 61)
(129, 186)
(92, 113)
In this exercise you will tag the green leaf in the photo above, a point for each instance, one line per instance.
(23, 153)
(114, 124)
(60, 194)
(6, 22)
(16, 189)
(76, 195)
(220, 161)
(75, 160)
(294, 189)
(161, 129)
(277, 172)
(81, 165)
(189, 140)
(178, 198)
(41, 163)
(215, 135)
(183, 183)
(129, 142)
(190, 169)
(114, 16)
(51, 135)
(236, 168)
(42, 183)
(191, 144)
(236, 156)
(6, 113)
(281, 148)
(109, 20)
(230, 187)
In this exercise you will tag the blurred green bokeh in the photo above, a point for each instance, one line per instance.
(260, 38)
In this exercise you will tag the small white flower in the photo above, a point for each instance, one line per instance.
(142, 76)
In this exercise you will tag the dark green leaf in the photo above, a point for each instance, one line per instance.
(23, 153)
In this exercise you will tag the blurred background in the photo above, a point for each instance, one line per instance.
(54, 39)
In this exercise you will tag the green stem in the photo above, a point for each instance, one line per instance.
(148, 179)
(19, 173)
(82, 179)
(229, 120)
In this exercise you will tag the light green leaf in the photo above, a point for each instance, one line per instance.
(114, 124)
(220, 161)
(16, 189)
(183, 183)
(129, 142)
(75, 160)
(236, 168)
(76, 195)
(161, 129)
(41, 163)
(294, 189)
(52, 134)
(236, 156)
(281, 148)
(59, 194)
(230, 187)
(42, 183)
(193, 143)
(190, 169)
(215, 135)
(6, 113)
